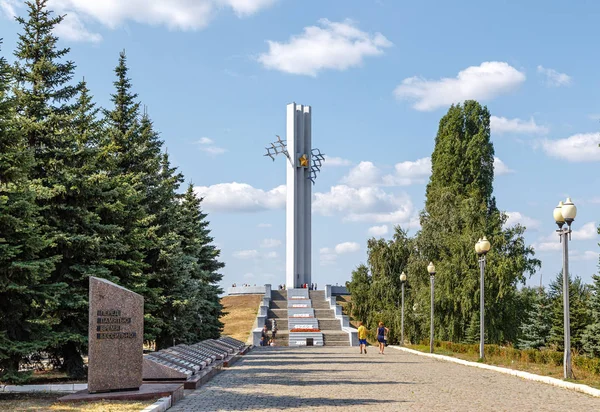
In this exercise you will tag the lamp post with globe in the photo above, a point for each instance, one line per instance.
(481, 248)
(565, 213)
(431, 270)
(402, 281)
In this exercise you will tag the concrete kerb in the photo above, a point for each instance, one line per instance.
(62, 388)
(525, 375)
(160, 405)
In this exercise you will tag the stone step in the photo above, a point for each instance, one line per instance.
(278, 304)
(278, 294)
(334, 337)
(282, 324)
(317, 294)
(324, 314)
(330, 324)
(320, 304)
(277, 313)
(328, 343)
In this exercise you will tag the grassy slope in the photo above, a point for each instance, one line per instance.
(553, 371)
(47, 402)
(241, 313)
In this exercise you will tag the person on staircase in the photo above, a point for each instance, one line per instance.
(273, 329)
(362, 338)
(382, 332)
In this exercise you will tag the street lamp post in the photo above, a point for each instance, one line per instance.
(402, 281)
(431, 270)
(482, 247)
(565, 213)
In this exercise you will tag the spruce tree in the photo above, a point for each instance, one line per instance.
(591, 336)
(203, 257)
(25, 291)
(536, 328)
(44, 101)
(122, 127)
(579, 296)
(459, 209)
(166, 261)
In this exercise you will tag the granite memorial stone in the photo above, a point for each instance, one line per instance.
(116, 337)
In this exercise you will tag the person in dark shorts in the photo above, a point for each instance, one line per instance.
(382, 331)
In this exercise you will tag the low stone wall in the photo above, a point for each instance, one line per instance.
(344, 320)
(261, 316)
(246, 290)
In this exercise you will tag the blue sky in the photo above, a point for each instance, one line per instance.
(216, 76)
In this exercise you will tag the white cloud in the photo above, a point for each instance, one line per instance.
(547, 246)
(73, 29)
(581, 147)
(270, 243)
(247, 7)
(408, 173)
(363, 174)
(240, 197)
(245, 254)
(586, 232)
(336, 161)
(328, 256)
(405, 174)
(174, 14)
(587, 255)
(205, 140)
(517, 217)
(263, 225)
(501, 125)
(271, 255)
(347, 247)
(213, 150)
(9, 8)
(500, 168)
(334, 45)
(482, 82)
(365, 204)
(554, 78)
(207, 145)
(377, 230)
(249, 276)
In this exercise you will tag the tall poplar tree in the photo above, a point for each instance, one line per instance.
(459, 209)
(25, 292)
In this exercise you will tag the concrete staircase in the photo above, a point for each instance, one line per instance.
(324, 317)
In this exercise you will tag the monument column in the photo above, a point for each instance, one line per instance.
(299, 196)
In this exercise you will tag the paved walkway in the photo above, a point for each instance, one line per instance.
(340, 379)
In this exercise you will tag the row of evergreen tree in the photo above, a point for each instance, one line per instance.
(86, 192)
(459, 209)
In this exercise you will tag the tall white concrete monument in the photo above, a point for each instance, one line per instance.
(303, 164)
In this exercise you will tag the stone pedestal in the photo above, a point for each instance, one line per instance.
(116, 337)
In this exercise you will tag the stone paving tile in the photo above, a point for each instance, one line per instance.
(340, 379)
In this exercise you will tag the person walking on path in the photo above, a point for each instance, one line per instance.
(382, 331)
(273, 328)
(264, 336)
(362, 337)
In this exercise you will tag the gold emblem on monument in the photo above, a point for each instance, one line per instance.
(303, 160)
